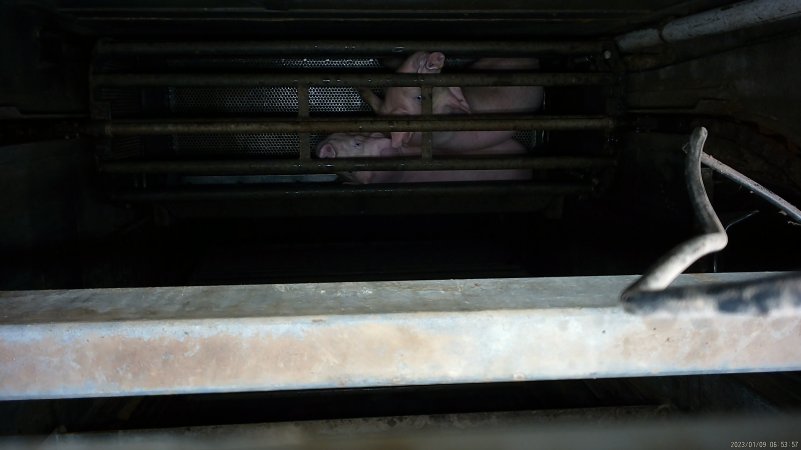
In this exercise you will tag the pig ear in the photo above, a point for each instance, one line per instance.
(435, 62)
(373, 100)
(461, 101)
(327, 151)
(400, 138)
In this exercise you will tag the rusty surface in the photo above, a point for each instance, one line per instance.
(419, 194)
(276, 166)
(481, 48)
(472, 122)
(371, 80)
(277, 337)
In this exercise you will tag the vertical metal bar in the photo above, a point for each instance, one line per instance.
(303, 112)
(427, 93)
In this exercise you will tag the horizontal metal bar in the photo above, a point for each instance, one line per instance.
(168, 340)
(150, 127)
(287, 434)
(351, 47)
(725, 19)
(629, 428)
(305, 192)
(776, 293)
(289, 167)
(354, 79)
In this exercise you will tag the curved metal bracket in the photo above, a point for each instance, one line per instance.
(648, 294)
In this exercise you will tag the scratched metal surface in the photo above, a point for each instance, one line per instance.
(312, 299)
(280, 337)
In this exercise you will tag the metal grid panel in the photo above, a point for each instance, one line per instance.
(269, 144)
(275, 63)
(271, 99)
(273, 144)
(258, 100)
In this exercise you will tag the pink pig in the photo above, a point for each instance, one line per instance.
(456, 100)
(344, 145)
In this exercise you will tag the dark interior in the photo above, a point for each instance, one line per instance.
(69, 221)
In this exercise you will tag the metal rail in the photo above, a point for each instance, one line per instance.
(354, 79)
(621, 428)
(306, 191)
(732, 174)
(169, 340)
(150, 127)
(291, 167)
(351, 48)
(776, 294)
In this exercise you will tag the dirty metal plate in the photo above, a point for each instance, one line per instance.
(458, 431)
(108, 342)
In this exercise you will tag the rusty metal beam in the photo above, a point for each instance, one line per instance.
(329, 165)
(351, 47)
(338, 191)
(107, 342)
(477, 122)
(368, 80)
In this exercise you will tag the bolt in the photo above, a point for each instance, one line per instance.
(607, 54)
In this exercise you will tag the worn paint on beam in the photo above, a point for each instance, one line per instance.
(276, 337)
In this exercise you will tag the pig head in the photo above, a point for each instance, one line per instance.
(347, 145)
(408, 101)
(354, 145)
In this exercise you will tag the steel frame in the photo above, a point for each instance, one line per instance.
(109, 342)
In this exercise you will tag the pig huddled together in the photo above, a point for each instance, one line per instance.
(446, 100)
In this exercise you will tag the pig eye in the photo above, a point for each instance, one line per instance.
(419, 98)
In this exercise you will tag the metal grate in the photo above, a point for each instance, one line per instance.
(275, 63)
(271, 99)
(250, 100)
(269, 144)
(264, 99)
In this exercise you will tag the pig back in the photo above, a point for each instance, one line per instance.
(511, 99)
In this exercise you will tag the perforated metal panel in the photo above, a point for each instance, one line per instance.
(273, 99)
(282, 99)
(267, 144)
(262, 99)
(275, 63)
